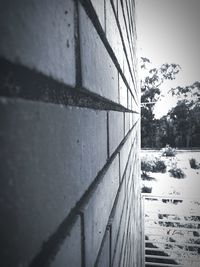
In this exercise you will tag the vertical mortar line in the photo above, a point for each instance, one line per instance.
(108, 150)
(83, 264)
(77, 44)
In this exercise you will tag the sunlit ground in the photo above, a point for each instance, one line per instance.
(179, 221)
(164, 184)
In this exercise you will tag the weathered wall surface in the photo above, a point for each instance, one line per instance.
(69, 135)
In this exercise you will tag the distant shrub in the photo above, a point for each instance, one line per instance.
(152, 166)
(194, 164)
(169, 151)
(159, 166)
(177, 172)
(146, 189)
(146, 166)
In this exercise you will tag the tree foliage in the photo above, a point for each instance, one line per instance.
(185, 116)
(181, 126)
(150, 93)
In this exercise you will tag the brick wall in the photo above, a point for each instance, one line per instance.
(69, 136)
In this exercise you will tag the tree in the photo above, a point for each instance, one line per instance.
(186, 115)
(150, 93)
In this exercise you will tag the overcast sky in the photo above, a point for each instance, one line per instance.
(169, 31)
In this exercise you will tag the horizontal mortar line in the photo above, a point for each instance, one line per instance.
(131, 24)
(122, 247)
(18, 81)
(123, 179)
(123, 251)
(122, 38)
(89, 9)
(127, 31)
(124, 201)
(132, 73)
(107, 231)
(103, 171)
(131, 14)
(124, 47)
(51, 247)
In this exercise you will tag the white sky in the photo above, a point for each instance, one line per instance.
(169, 32)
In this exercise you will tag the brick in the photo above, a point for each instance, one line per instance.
(122, 92)
(129, 100)
(124, 36)
(124, 248)
(117, 253)
(116, 121)
(45, 152)
(128, 120)
(104, 258)
(99, 9)
(130, 184)
(97, 211)
(128, 23)
(133, 90)
(121, 20)
(99, 73)
(40, 35)
(115, 3)
(126, 71)
(113, 34)
(70, 251)
(135, 118)
(124, 152)
(116, 218)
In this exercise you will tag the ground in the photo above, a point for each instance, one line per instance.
(172, 213)
(164, 184)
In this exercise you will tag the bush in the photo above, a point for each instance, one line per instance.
(159, 166)
(146, 165)
(194, 164)
(152, 166)
(146, 189)
(177, 173)
(169, 151)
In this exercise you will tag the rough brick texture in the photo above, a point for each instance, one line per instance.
(69, 135)
(40, 35)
